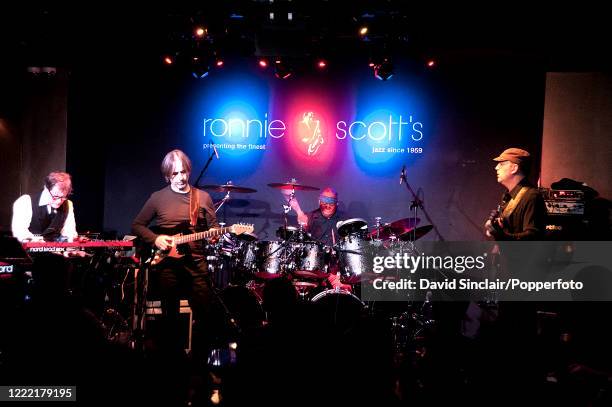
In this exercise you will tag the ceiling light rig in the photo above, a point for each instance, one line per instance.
(384, 70)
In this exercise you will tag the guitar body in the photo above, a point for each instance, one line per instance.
(180, 247)
(160, 255)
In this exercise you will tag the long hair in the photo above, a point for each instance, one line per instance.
(173, 156)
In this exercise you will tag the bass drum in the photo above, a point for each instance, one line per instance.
(339, 310)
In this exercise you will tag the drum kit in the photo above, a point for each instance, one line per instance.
(306, 262)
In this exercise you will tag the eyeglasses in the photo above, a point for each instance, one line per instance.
(58, 197)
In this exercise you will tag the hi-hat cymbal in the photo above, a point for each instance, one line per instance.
(228, 188)
(397, 228)
(292, 185)
(416, 233)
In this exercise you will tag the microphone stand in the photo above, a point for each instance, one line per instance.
(417, 203)
(197, 181)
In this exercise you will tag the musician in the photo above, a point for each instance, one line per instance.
(321, 222)
(521, 218)
(179, 207)
(48, 213)
(522, 212)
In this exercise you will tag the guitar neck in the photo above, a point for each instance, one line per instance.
(200, 235)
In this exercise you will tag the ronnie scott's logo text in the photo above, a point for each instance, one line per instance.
(391, 129)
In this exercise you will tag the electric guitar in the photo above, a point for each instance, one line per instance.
(180, 239)
(494, 215)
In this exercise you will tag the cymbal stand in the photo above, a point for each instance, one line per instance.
(287, 206)
(418, 203)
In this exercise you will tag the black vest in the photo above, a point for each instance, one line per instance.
(49, 225)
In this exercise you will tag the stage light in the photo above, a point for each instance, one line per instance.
(199, 67)
(219, 63)
(282, 70)
(363, 30)
(200, 32)
(431, 63)
(321, 64)
(384, 70)
(168, 60)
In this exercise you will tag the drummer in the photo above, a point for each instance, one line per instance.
(321, 222)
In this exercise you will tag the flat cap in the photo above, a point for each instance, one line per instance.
(515, 155)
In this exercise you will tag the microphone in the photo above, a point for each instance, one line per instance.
(215, 150)
(402, 174)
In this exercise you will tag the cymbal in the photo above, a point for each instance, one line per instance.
(228, 188)
(415, 234)
(292, 185)
(310, 274)
(397, 228)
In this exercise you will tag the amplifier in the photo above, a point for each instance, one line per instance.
(565, 202)
(560, 207)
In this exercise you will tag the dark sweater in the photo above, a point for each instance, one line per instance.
(169, 212)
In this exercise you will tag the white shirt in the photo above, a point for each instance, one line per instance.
(22, 216)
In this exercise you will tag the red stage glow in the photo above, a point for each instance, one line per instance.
(321, 64)
(263, 63)
(220, 63)
(168, 60)
(311, 144)
(431, 63)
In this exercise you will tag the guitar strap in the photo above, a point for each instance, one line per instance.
(194, 207)
(513, 203)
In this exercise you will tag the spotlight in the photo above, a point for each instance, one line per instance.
(363, 30)
(263, 63)
(383, 71)
(321, 64)
(219, 63)
(431, 63)
(168, 60)
(200, 32)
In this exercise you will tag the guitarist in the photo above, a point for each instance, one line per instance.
(522, 212)
(180, 208)
(521, 217)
